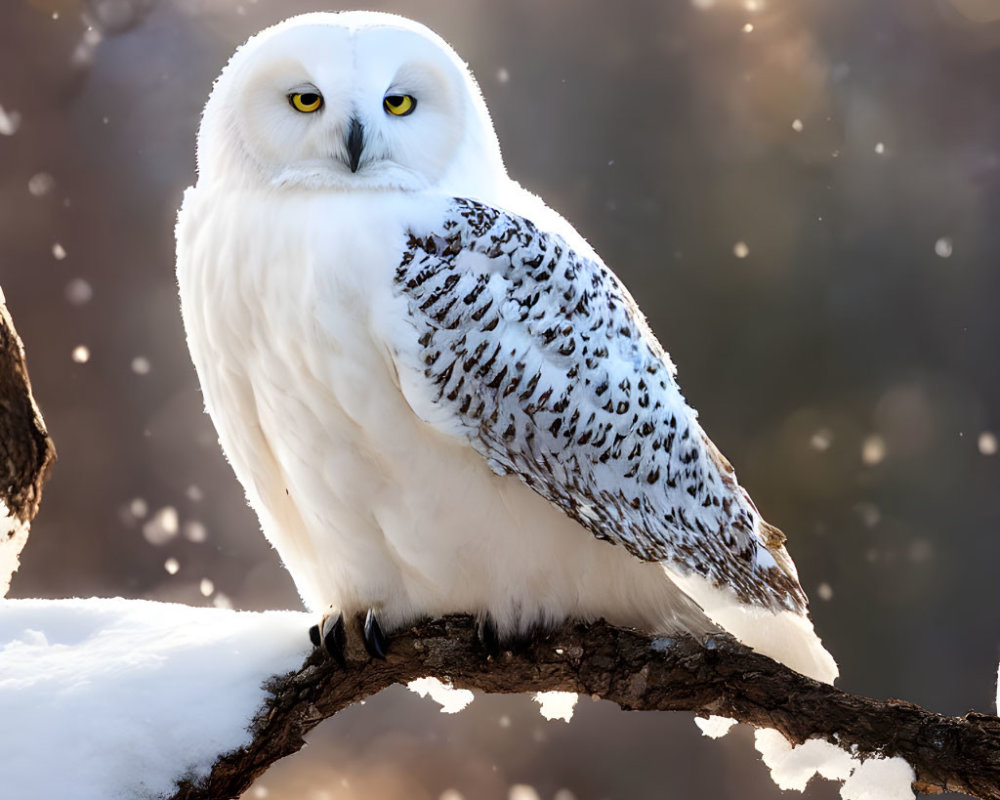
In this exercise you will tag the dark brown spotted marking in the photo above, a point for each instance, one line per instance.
(550, 367)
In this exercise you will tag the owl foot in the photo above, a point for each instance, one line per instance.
(375, 642)
(489, 638)
(331, 636)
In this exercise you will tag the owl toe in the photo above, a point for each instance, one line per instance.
(375, 640)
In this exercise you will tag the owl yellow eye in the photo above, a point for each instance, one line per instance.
(306, 102)
(399, 105)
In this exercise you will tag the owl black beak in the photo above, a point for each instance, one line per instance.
(355, 142)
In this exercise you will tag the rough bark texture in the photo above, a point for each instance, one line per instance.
(26, 451)
(635, 671)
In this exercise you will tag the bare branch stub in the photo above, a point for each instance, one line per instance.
(26, 451)
(635, 671)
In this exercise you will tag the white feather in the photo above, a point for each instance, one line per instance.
(286, 263)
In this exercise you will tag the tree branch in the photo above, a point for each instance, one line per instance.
(635, 671)
(26, 451)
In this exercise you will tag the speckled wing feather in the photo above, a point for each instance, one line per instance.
(542, 361)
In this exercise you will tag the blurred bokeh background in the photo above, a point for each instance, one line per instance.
(804, 197)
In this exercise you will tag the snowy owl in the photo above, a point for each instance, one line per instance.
(436, 395)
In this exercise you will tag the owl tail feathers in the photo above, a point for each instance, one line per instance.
(785, 636)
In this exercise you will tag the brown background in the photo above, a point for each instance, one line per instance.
(664, 131)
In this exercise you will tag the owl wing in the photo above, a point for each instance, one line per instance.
(541, 361)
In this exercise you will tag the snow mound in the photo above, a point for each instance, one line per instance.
(111, 699)
(864, 779)
(450, 699)
(556, 705)
(714, 726)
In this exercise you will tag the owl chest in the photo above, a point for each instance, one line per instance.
(299, 304)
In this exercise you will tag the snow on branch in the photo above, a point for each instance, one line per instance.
(719, 677)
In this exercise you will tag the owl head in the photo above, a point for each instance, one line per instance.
(348, 101)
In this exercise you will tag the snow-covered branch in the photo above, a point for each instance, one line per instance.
(719, 677)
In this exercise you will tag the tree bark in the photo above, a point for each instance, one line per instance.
(26, 451)
(636, 671)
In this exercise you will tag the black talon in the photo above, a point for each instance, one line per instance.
(334, 638)
(375, 641)
(314, 636)
(488, 636)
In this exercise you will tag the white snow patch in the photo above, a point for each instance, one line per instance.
(450, 699)
(864, 779)
(13, 536)
(556, 705)
(714, 727)
(792, 767)
(880, 779)
(130, 695)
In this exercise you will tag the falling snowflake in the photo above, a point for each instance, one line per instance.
(873, 450)
(161, 527)
(79, 292)
(41, 183)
